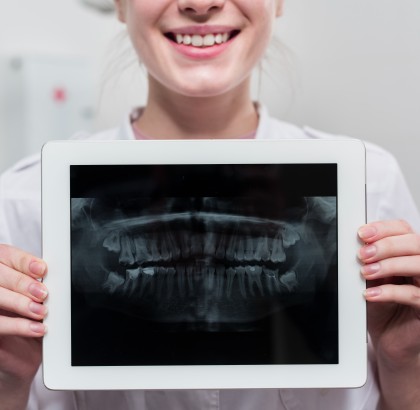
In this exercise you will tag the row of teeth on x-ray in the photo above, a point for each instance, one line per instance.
(147, 262)
(200, 253)
(171, 244)
(252, 280)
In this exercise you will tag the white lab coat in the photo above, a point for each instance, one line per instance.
(20, 210)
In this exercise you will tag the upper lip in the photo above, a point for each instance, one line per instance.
(202, 30)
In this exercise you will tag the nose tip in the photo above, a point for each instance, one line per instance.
(200, 7)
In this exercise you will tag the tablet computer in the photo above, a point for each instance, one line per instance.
(203, 264)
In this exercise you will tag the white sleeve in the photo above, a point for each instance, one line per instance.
(4, 228)
(20, 206)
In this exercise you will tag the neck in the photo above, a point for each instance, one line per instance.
(173, 116)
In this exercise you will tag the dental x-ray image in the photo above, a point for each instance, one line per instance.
(204, 264)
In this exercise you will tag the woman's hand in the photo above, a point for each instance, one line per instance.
(391, 266)
(21, 327)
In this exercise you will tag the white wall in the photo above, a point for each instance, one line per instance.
(354, 65)
(359, 65)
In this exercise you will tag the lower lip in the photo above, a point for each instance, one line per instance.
(201, 53)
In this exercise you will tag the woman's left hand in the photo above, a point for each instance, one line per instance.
(391, 266)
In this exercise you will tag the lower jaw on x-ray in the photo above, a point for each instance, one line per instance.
(165, 275)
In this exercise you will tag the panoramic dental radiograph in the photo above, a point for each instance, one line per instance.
(204, 264)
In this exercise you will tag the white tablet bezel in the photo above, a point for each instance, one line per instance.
(57, 156)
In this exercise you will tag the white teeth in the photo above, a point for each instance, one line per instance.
(289, 280)
(113, 282)
(142, 253)
(230, 272)
(249, 249)
(221, 247)
(172, 245)
(197, 40)
(262, 252)
(147, 281)
(218, 38)
(254, 277)
(230, 251)
(290, 235)
(165, 252)
(184, 243)
(278, 254)
(241, 278)
(209, 40)
(150, 271)
(126, 254)
(154, 250)
(112, 242)
(132, 274)
(271, 280)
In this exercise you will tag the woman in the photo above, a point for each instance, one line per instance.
(199, 55)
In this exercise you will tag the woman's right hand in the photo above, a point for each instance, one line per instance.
(21, 314)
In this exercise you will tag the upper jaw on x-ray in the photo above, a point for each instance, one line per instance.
(202, 261)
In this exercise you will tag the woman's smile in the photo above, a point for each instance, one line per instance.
(202, 42)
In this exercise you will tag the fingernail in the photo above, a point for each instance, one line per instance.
(37, 268)
(37, 308)
(37, 290)
(373, 292)
(37, 327)
(371, 269)
(367, 232)
(368, 251)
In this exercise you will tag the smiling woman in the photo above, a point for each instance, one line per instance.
(199, 56)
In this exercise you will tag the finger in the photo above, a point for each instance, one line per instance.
(22, 305)
(23, 284)
(389, 247)
(21, 327)
(378, 230)
(399, 266)
(408, 295)
(22, 261)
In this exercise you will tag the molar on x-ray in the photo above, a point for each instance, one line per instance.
(201, 261)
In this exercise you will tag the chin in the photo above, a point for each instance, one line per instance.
(204, 85)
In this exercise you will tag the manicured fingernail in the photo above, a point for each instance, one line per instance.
(37, 268)
(37, 290)
(368, 251)
(367, 232)
(37, 327)
(371, 269)
(37, 308)
(372, 292)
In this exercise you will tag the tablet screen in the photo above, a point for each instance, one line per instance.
(204, 264)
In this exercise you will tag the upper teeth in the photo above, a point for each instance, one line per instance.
(197, 40)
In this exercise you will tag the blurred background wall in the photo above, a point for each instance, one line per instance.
(341, 66)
